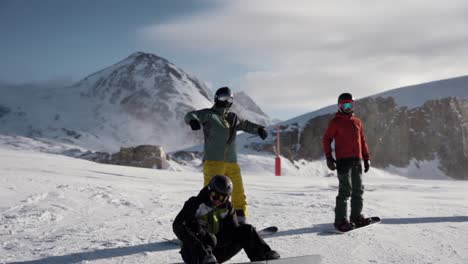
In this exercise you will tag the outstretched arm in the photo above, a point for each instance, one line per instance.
(252, 128)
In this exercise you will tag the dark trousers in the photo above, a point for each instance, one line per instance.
(350, 178)
(244, 237)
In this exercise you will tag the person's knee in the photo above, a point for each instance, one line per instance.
(245, 229)
(344, 194)
(357, 193)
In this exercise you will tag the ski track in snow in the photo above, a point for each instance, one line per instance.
(55, 209)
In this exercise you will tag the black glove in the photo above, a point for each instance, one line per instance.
(210, 259)
(210, 240)
(261, 131)
(194, 124)
(206, 255)
(331, 163)
(366, 165)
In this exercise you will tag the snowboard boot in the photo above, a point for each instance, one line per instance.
(360, 221)
(272, 255)
(344, 225)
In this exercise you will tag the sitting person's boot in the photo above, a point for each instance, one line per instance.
(241, 218)
(272, 255)
(360, 221)
(344, 225)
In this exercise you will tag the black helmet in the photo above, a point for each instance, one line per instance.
(345, 96)
(220, 184)
(224, 97)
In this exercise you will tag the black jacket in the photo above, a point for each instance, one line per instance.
(197, 218)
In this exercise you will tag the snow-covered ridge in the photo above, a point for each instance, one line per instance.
(410, 96)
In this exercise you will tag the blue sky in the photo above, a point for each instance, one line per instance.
(292, 57)
(50, 39)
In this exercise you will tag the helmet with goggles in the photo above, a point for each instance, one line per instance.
(224, 97)
(220, 188)
(346, 103)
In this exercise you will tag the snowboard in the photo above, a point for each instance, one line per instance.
(268, 231)
(374, 220)
(308, 259)
(265, 232)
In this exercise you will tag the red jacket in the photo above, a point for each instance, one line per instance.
(348, 133)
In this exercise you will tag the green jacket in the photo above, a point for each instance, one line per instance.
(220, 128)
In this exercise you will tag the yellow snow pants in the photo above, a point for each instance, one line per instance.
(232, 171)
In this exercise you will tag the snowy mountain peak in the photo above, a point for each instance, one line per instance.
(139, 55)
(141, 99)
(142, 75)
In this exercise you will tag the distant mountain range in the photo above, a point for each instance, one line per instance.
(408, 128)
(142, 99)
(139, 100)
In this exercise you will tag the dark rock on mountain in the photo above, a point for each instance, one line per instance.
(435, 131)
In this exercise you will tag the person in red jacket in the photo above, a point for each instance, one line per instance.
(347, 131)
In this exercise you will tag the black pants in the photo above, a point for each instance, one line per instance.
(350, 177)
(244, 237)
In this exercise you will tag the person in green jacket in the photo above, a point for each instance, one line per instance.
(220, 127)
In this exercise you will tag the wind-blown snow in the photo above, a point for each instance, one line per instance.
(56, 209)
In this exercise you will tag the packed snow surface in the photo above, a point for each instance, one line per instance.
(57, 209)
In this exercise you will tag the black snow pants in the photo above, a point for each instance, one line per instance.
(350, 177)
(244, 237)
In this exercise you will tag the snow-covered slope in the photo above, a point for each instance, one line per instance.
(139, 100)
(55, 209)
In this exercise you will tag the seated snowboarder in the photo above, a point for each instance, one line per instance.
(208, 229)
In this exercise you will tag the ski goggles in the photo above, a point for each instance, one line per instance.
(214, 196)
(225, 97)
(348, 104)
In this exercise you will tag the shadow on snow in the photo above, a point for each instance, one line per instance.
(324, 229)
(320, 229)
(103, 254)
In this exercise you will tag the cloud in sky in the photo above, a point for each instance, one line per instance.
(299, 55)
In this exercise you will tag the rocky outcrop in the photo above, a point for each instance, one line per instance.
(185, 157)
(437, 130)
(145, 156)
